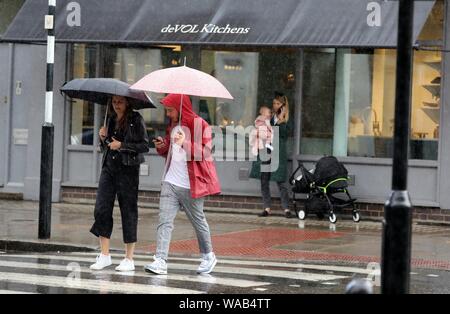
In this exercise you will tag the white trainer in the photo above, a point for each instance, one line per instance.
(208, 263)
(102, 261)
(126, 265)
(159, 266)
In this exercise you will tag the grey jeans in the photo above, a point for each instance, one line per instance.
(171, 200)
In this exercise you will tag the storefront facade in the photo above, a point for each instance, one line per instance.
(340, 85)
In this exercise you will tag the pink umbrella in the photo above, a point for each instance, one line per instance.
(182, 80)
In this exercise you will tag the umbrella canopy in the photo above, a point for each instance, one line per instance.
(182, 80)
(99, 90)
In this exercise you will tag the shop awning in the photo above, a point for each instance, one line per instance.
(307, 23)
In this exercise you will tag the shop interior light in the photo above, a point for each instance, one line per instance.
(175, 48)
(232, 67)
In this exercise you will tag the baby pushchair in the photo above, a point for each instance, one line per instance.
(322, 185)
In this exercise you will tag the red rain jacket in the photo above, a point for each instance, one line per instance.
(198, 144)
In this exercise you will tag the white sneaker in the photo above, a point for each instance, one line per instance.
(126, 265)
(208, 262)
(102, 261)
(159, 266)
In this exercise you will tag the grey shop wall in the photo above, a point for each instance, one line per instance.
(27, 117)
(5, 99)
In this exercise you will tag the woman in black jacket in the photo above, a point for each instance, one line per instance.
(123, 143)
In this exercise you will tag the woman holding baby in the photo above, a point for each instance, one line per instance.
(271, 163)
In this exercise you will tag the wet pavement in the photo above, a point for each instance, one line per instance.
(271, 255)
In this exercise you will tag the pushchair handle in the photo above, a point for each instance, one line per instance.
(300, 166)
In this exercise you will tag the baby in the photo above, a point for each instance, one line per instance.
(262, 136)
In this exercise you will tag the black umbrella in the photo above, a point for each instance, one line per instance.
(100, 91)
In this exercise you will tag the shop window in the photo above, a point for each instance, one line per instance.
(131, 64)
(426, 90)
(425, 105)
(252, 78)
(349, 99)
(352, 112)
(82, 112)
(318, 90)
(369, 79)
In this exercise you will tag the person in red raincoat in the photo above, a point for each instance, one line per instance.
(189, 175)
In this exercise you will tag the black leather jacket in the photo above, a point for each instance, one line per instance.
(134, 145)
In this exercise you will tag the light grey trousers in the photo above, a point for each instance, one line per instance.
(171, 200)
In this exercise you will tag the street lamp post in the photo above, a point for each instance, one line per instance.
(396, 246)
(45, 193)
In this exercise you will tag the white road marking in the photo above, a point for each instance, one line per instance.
(90, 284)
(223, 269)
(198, 278)
(343, 269)
(15, 292)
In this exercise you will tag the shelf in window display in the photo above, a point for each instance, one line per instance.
(431, 104)
(435, 65)
(433, 113)
(435, 90)
(437, 80)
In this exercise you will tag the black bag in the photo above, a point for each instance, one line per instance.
(317, 203)
(301, 186)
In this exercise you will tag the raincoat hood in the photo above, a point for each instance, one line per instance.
(202, 172)
(174, 101)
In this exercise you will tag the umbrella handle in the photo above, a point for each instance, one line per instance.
(181, 102)
(106, 114)
(181, 108)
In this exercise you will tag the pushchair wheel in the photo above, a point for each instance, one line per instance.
(332, 218)
(356, 217)
(301, 214)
